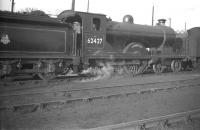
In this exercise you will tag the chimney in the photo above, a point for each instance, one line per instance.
(161, 22)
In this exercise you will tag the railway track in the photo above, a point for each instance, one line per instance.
(172, 121)
(127, 86)
(36, 100)
(28, 83)
(37, 84)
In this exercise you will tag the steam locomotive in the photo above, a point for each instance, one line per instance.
(75, 40)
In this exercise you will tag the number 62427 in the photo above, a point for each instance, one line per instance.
(94, 40)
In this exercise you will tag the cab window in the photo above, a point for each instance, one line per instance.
(96, 24)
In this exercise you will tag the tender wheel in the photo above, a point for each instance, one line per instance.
(176, 65)
(48, 73)
(5, 70)
(157, 68)
(50, 76)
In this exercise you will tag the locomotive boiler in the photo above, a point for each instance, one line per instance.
(150, 36)
(75, 40)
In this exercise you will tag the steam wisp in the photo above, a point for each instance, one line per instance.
(104, 72)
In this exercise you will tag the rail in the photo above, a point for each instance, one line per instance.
(160, 122)
(34, 92)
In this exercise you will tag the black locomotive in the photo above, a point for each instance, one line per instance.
(75, 40)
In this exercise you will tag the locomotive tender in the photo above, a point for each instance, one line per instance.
(77, 40)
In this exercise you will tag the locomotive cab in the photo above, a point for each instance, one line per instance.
(90, 38)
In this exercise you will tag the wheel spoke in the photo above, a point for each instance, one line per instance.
(133, 69)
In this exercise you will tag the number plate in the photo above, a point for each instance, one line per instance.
(94, 41)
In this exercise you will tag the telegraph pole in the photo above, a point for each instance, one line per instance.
(88, 5)
(12, 6)
(152, 22)
(73, 5)
(185, 26)
(170, 22)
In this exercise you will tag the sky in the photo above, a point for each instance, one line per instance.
(179, 11)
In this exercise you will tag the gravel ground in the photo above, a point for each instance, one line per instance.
(104, 112)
